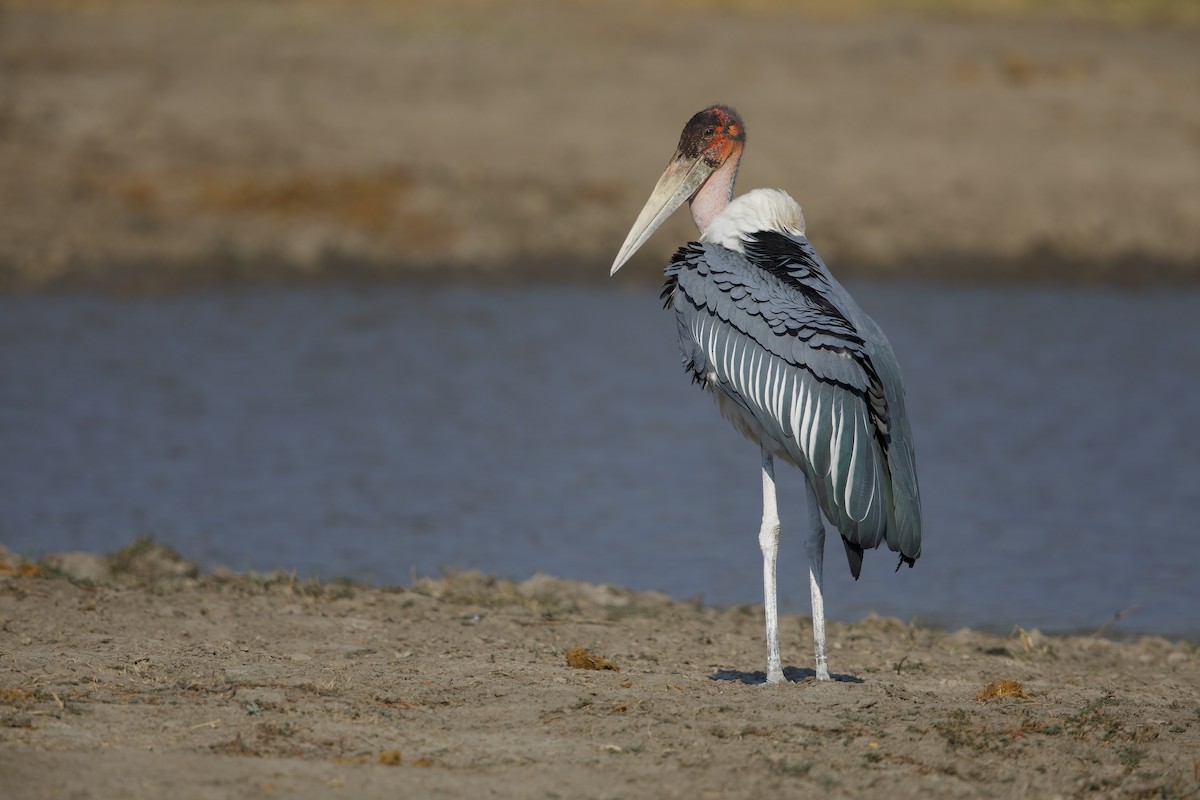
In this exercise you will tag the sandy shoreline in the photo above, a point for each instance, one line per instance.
(176, 144)
(136, 675)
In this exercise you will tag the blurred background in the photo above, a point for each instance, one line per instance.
(322, 285)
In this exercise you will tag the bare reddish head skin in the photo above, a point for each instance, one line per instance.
(714, 134)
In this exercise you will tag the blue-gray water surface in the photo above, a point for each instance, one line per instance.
(390, 431)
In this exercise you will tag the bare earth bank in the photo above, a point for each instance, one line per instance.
(137, 676)
(156, 145)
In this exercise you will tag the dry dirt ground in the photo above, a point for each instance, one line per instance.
(137, 676)
(174, 143)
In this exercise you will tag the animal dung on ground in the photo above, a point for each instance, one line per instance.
(579, 658)
(1003, 688)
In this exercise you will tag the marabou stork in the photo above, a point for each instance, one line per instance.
(791, 359)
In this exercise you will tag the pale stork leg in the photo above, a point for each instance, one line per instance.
(768, 541)
(815, 548)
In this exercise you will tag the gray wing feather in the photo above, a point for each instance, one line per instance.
(779, 337)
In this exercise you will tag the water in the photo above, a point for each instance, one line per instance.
(383, 432)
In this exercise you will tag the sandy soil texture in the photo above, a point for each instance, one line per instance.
(167, 144)
(137, 676)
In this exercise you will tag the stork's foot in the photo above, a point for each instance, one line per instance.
(775, 675)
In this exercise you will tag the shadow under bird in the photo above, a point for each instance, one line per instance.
(792, 361)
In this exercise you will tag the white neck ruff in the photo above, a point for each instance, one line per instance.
(755, 211)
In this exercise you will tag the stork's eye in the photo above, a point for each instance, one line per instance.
(709, 131)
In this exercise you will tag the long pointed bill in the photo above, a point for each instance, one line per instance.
(679, 182)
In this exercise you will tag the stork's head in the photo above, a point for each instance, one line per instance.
(701, 172)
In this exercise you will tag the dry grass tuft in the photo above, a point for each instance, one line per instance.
(391, 758)
(1002, 688)
(579, 658)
